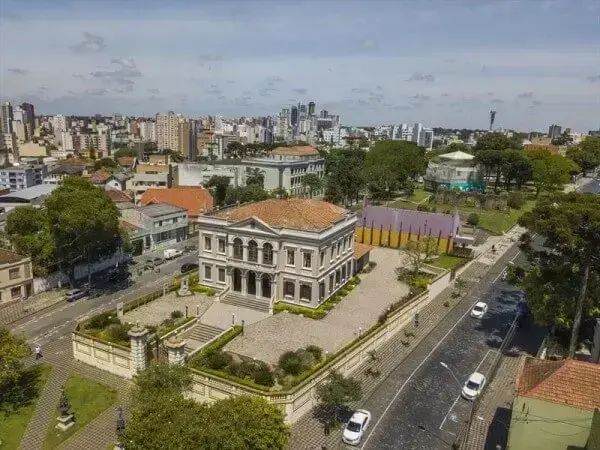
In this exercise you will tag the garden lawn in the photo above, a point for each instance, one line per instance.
(88, 399)
(13, 426)
(448, 262)
(419, 195)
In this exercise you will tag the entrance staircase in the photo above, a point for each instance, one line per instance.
(243, 301)
(199, 335)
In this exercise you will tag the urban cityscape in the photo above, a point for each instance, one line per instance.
(312, 236)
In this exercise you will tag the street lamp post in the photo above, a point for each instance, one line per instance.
(445, 366)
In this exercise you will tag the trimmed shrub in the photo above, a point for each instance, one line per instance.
(176, 314)
(118, 333)
(516, 200)
(473, 219)
(291, 363)
(317, 352)
(103, 320)
(263, 375)
(216, 359)
(422, 207)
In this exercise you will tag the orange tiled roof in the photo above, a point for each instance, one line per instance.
(302, 150)
(195, 199)
(361, 250)
(297, 213)
(568, 382)
(100, 176)
(126, 160)
(118, 196)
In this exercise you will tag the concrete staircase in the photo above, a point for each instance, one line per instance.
(237, 299)
(199, 335)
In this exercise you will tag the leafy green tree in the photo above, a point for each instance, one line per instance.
(498, 142)
(336, 392)
(175, 155)
(563, 139)
(235, 150)
(12, 351)
(84, 223)
(218, 185)
(28, 231)
(280, 193)
(550, 172)
(255, 177)
(105, 163)
(124, 152)
(570, 226)
(587, 154)
(457, 147)
(245, 194)
(516, 166)
(344, 169)
(313, 182)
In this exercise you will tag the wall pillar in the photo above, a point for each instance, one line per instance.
(259, 289)
(244, 283)
(138, 336)
(176, 350)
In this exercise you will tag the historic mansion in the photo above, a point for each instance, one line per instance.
(294, 250)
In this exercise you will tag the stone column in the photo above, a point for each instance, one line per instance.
(175, 348)
(259, 292)
(244, 283)
(139, 337)
(297, 292)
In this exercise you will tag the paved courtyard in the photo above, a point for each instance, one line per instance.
(267, 339)
(155, 312)
(223, 315)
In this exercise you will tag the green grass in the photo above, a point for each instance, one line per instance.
(418, 195)
(13, 426)
(448, 262)
(88, 399)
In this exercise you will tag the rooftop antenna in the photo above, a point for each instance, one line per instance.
(492, 119)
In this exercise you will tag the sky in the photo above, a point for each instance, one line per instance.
(444, 63)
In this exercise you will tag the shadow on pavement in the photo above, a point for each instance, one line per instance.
(498, 430)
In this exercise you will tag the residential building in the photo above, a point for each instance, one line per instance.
(7, 118)
(59, 124)
(147, 130)
(10, 143)
(554, 404)
(456, 170)
(294, 250)
(29, 111)
(21, 177)
(117, 181)
(16, 277)
(158, 172)
(157, 225)
(33, 196)
(59, 172)
(167, 131)
(187, 141)
(198, 174)
(195, 199)
(554, 131)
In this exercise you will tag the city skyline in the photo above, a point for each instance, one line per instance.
(448, 64)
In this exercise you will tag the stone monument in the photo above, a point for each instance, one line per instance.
(176, 350)
(66, 419)
(184, 289)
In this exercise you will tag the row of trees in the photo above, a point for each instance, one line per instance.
(78, 223)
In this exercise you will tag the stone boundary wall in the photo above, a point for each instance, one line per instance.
(103, 355)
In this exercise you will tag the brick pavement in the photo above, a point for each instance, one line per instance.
(492, 417)
(30, 306)
(308, 433)
(100, 432)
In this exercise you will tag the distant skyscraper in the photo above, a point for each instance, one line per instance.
(294, 116)
(324, 114)
(30, 117)
(302, 111)
(7, 117)
(167, 131)
(311, 108)
(554, 131)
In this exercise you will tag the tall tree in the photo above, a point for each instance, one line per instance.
(570, 225)
(313, 182)
(124, 152)
(550, 171)
(336, 392)
(84, 223)
(344, 169)
(105, 163)
(496, 141)
(516, 166)
(587, 154)
(218, 185)
(255, 177)
(12, 351)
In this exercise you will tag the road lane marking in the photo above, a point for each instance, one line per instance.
(459, 395)
(414, 372)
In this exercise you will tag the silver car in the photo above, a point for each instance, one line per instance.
(75, 294)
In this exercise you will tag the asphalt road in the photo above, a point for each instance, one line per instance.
(419, 405)
(591, 187)
(58, 321)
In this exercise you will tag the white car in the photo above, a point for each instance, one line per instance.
(473, 386)
(479, 310)
(356, 426)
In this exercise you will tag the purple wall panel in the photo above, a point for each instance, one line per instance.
(405, 220)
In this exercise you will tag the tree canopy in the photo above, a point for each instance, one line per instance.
(550, 171)
(344, 170)
(162, 414)
(124, 152)
(563, 285)
(313, 182)
(105, 163)
(218, 185)
(12, 351)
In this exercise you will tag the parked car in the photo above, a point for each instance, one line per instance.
(356, 426)
(188, 267)
(473, 386)
(479, 310)
(171, 253)
(116, 275)
(75, 294)
(153, 262)
(190, 248)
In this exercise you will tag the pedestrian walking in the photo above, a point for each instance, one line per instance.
(416, 320)
(38, 352)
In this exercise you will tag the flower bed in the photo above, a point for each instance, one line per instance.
(320, 311)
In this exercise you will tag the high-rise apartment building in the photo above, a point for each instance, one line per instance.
(554, 131)
(294, 116)
(167, 131)
(147, 130)
(7, 118)
(187, 140)
(59, 124)
(29, 110)
(311, 108)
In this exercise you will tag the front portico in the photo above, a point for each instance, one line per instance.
(251, 283)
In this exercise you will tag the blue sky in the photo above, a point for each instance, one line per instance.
(440, 62)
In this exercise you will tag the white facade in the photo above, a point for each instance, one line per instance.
(167, 131)
(268, 264)
(59, 124)
(195, 174)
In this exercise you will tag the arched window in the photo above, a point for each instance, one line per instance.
(267, 254)
(252, 251)
(238, 249)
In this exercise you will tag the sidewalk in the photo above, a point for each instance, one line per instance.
(308, 432)
(31, 305)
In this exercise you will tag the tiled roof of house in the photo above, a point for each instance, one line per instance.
(7, 257)
(299, 150)
(100, 176)
(296, 213)
(195, 199)
(568, 382)
(126, 160)
(361, 250)
(118, 196)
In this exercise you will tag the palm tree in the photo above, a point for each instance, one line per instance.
(256, 177)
